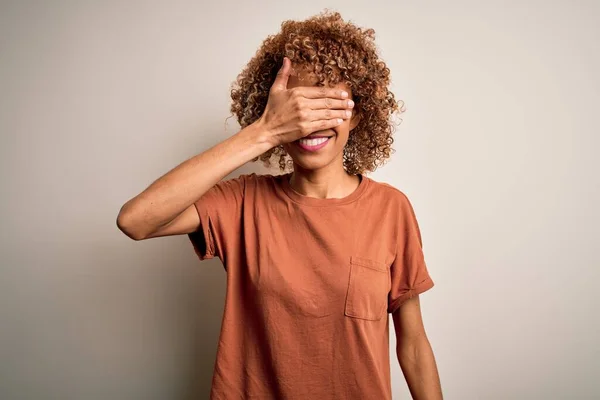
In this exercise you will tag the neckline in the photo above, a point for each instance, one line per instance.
(314, 201)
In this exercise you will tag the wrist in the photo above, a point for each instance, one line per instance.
(260, 136)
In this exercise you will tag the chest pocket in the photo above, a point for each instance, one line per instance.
(368, 289)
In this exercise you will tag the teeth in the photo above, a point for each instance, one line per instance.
(313, 142)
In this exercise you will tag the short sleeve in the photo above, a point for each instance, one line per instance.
(409, 274)
(220, 213)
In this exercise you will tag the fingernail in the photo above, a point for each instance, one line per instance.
(344, 94)
(350, 103)
(348, 113)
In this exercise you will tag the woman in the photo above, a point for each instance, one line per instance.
(316, 257)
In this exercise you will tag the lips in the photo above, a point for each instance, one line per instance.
(313, 143)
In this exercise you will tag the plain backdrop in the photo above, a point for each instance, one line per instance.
(496, 150)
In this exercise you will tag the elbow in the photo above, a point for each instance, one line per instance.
(126, 222)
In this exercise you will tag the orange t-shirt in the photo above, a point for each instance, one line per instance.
(310, 283)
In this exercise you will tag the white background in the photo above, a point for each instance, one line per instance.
(497, 152)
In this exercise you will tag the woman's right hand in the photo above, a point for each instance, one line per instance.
(291, 114)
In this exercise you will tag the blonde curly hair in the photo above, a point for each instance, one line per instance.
(336, 51)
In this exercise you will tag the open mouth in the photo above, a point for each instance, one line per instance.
(313, 143)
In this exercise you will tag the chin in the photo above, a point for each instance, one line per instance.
(310, 165)
(313, 161)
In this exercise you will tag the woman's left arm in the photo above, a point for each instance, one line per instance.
(415, 353)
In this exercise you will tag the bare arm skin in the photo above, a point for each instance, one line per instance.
(166, 207)
(414, 352)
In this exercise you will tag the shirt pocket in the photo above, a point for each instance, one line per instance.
(368, 289)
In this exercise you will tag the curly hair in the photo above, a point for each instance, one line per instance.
(337, 51)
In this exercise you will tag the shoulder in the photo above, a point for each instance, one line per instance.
(253, 176)
(391, 194)
(258, 179)
(398, 207)
(250, 178)
(254, 183)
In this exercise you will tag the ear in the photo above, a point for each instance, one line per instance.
(356, 115)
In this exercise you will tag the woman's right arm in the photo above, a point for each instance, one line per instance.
(166, 207)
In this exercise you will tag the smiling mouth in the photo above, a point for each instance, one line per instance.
(313, 143)
(319, 134)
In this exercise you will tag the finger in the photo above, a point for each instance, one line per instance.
(315, 92)
(329, 103)
(323, 124)
(319, 115)
(281, 80)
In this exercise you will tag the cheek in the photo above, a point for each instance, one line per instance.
(342, 132)
(344, 128)
(286, 147)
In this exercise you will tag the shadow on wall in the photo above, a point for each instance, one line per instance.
(112, 319)
(206, 325)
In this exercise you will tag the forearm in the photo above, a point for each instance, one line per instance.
(179, 188)
(419, 368)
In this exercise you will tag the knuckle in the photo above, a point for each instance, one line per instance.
(304, 128)
(297, 103)
(296, 106)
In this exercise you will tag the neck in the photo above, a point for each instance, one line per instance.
(324, 183)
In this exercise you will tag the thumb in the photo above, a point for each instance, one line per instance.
(283, 74)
